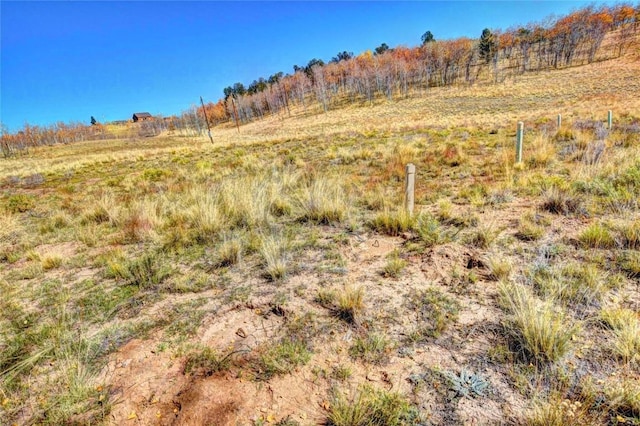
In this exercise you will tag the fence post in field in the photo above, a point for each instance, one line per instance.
(559, 121)
(409, 187)
(519, 137)
(610, 119)
(204, 112)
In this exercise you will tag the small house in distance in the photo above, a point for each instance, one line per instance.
(141, 116)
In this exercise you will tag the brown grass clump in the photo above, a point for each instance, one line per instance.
(453, 155)
(558, 411)
(370, 407)
(625, 327)
(274, 251)
(542, 152)
(392, 222)
(562, 201)
(350, 304)
(597, 235)
(398, 158)
(142, 220)
(542, 332)
(322, 202)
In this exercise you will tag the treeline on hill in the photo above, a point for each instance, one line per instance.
(575, 39)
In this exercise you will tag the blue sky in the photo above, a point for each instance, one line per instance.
(66, 61)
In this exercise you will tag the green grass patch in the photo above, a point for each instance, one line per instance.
(372, 407)
(372, 348)
(283, 358)
(435, 312)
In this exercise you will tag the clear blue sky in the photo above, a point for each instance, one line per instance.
(66, 61)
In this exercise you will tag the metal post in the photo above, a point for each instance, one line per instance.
(559, 121)
(519, 137)
(409, 187)
(610, 119)
(206, 119)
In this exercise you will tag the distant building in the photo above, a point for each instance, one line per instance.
(141, 116)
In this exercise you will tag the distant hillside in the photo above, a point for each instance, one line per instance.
(585, 36)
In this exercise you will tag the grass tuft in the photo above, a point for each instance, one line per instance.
(228, 252)
(629, 235)
(542, 152)
(484, 236)
(206, 361)
(283, 358)
(372, 348)
(629, 262)
(147, 271)
(51, 261)
(274, 254)
(205, 214)
(322, 202)
(561, 201)
(625, 330)
(574, 283)
(597, 235)
(558, 411)
(541, 332)
(392, 223)
(371, 407)
(623, 397)
(394, 266)
(499, 268)
(531, 227)
(350, 304)
(435, 311)
(431, 232)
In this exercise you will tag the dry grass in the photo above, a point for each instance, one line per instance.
(394, 266)
(543, 333)
(541, 152)
(370, 407)
(623, 397)
(350, 304)
(558, 411)
(323, 202)
(274, 251)
(393, 222)
(597, 235)
(499, 268)
(625, 328)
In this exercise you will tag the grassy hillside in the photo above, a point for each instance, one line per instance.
(274, 278)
